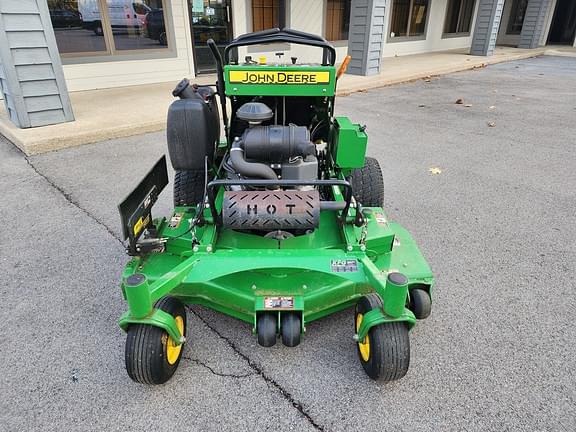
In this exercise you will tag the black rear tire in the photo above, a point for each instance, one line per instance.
(149, 359)
(266, 327)
(188, 188)
(420, 303)
(368, 184)
(385, 353)
(290, 328)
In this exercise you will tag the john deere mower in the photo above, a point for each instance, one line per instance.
(278, 223)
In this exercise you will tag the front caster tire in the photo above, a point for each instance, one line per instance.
(151, 355)
(385, 351)
(266, 326)
(290, 328)
(420, 303)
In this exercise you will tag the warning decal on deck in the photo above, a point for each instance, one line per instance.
(140, 224)
(278, 302)
(175, 220)
(344, 266)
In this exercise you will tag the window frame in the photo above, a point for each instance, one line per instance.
(398, 39)
(338, 42)
(457, 34)
(111, 54)
(513, 7)
(283, 15)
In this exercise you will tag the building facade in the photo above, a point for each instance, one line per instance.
(111, 43)
(50, 47)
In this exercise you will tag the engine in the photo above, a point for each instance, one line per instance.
(271, 152)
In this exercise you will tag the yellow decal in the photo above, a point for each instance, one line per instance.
(141, 223)
(273, 77)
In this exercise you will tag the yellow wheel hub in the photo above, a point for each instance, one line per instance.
(173, 350)
(363, 345)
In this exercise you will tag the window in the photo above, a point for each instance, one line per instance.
(408, 18)
(516, 19)
(267, 14)
(72, 33)
(107, 27)
(337, 19)
(459, 16)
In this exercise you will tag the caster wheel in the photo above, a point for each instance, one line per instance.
(290, 328)
(385, 351)
(266, 326)
(420, 303)
(151, 355)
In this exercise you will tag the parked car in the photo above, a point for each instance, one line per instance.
(64, 18)
(154, 27)
(124, 15)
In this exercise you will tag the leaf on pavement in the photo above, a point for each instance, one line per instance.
(435, 170)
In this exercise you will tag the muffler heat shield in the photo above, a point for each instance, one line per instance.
(271, 210)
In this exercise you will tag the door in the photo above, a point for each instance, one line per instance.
(563, 28)
(209, 19)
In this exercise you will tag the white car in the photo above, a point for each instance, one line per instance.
(123, 15)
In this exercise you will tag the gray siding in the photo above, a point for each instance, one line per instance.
(366, 36)
(533, 25)
(486, 28)
(31, 77)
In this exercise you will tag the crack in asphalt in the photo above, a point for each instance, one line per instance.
(220, 374)
(68, 197)
(260, 371)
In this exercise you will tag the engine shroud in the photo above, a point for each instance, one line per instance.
(271, 210)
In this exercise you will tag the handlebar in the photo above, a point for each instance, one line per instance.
(280, 36)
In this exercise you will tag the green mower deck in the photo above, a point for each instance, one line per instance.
(235, 273)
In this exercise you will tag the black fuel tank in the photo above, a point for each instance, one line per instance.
(193, 129)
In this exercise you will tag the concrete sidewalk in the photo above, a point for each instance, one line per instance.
(120, 112)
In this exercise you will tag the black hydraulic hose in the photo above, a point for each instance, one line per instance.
(249, 169)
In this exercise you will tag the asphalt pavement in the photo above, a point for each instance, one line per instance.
(495, 218)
